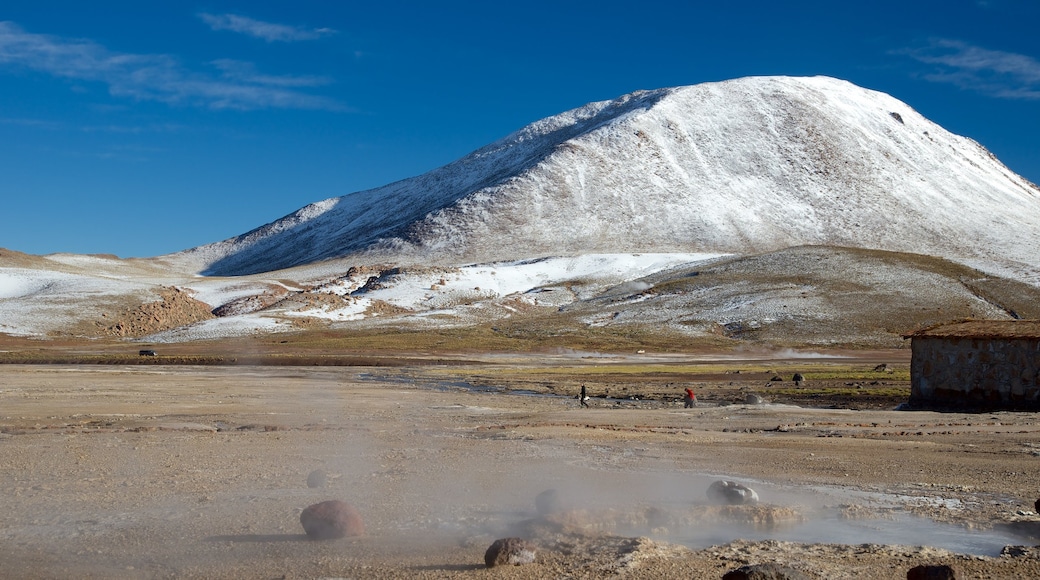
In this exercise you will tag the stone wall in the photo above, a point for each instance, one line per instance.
(975, 373)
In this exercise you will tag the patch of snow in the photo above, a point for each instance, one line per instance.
(235, 326)
(218, 291)
(16, 282)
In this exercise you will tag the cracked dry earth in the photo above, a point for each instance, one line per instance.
(202, 472)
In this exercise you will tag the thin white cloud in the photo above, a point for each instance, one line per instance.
(269, 31)
(154, 77)
(1000, 74)
(36, 123)
(246, 72)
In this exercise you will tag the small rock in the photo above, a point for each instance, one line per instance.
(330, 520)
(548, 502)
(765, 572)
(1036, 504)
(731, 493)
(316, 478)
(931, 573)
(509, 551)
(753, 399)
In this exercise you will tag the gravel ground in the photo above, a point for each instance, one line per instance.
(202, 472)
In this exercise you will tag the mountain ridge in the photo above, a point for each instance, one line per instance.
(748, 165)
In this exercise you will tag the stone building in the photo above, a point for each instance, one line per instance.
(976, 365)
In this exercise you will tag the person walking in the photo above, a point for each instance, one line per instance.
(689, 399)
(584, 397)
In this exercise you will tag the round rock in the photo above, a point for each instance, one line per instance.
(331, 519)
(509, 552)
(548, 502)
(731, 493)
(316, 478)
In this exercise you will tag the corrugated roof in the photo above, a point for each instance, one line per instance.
(982, 329)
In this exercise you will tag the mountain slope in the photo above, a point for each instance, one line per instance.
(743, 166)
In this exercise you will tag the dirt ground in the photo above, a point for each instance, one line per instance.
(127, 471)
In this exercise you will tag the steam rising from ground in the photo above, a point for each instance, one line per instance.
(179, 472)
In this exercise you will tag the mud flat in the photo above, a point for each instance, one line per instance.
(202, 472)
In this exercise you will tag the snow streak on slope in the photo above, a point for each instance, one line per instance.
(742, 166)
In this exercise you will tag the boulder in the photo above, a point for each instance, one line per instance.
(731, 493)
(509, 552)
(753, 399)
(768, 571)
(547, 502)
(331, 519)
(316, 478)
(928, 572)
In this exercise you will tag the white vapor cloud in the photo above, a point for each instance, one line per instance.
(268, 31)
(1000, 74)
(157, 77)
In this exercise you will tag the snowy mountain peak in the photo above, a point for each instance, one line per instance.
(749, 165)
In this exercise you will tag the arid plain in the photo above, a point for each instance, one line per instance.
(156, 470)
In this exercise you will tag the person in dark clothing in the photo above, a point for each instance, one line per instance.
(689, 399)
(584, 398)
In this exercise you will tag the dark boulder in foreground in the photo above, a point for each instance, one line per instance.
(765, 572)
(331, 519)
(731, 493)
(925, 572)
(509, 552)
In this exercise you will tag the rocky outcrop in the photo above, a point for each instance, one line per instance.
(175, 307)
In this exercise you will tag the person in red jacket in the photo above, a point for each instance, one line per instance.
(689, 398)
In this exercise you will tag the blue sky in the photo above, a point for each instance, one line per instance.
(143, 128)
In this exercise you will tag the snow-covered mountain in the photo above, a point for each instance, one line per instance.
(777, 211)
(743, 166)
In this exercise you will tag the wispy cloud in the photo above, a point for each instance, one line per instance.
(156, 77)
(240, 71)
(269, 31)
(35, 123)
(1000, 74)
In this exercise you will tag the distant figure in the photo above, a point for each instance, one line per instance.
(584, 397)
(689, 399)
